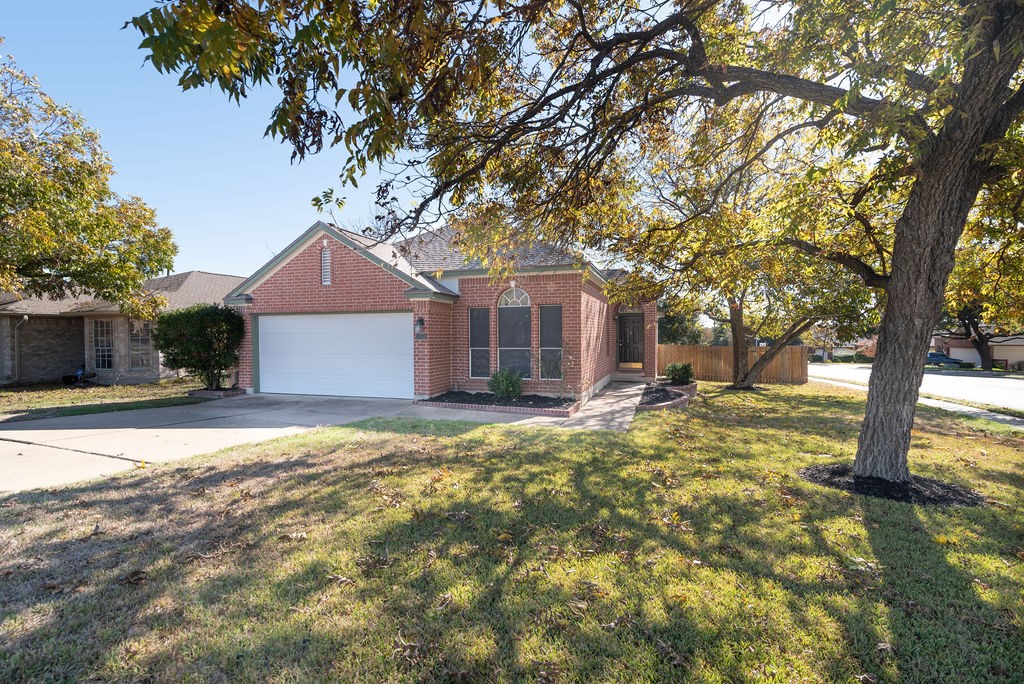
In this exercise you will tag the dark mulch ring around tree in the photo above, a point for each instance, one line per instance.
(920, 490)
(488, 399)
(660, 393)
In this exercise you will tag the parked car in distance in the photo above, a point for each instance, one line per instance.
(938, 358)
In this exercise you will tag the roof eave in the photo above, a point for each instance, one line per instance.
(419, 295)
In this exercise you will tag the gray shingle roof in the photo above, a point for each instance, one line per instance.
(432, 251)
(180, 290)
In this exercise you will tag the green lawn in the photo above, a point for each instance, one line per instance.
(684, 550)
(25, 402)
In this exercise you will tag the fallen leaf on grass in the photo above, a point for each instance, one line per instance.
(884, 647)
(946, 540)
(340, 579)
(135, 577)
(578, 608)
(293, 536)
(410, 651)
(61, 587)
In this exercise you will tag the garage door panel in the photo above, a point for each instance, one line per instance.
(367, 355)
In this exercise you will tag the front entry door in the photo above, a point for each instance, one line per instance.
(631, 341)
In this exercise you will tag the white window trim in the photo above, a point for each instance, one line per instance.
(110, 344)
(147, 350)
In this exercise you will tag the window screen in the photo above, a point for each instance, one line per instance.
(551, 342)
(514, 332)
(479, 343)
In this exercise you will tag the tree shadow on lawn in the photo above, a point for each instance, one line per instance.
(470, 554)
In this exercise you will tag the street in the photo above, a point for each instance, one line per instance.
(979, 387)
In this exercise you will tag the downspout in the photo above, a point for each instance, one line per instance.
(17, 348)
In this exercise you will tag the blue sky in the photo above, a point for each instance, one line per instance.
(230, 195)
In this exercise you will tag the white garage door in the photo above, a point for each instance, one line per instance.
(348, 355)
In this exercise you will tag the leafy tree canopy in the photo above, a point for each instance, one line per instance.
(536, 117)
(62, 230)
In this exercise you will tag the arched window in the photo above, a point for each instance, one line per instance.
(325, 266)
(514, 332)
(514, 297)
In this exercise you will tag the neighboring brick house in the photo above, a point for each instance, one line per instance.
(43, 339)
(336, 313)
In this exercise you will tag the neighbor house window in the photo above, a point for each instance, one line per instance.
(551, 342)
(479, 343)
(140, 348)
(103, 344)
(514, 332)
(325, 266)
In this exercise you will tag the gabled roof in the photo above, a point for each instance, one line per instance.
(382, 254)
(432, 251)
(180, 290)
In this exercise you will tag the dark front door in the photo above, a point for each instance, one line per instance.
(631, 340)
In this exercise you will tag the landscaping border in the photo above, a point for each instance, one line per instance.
(681, 402)
(217, 394)
(568, 412)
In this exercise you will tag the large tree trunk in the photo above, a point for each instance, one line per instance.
(984, 350)
(950, 174)
(969, 318)
(740, 357)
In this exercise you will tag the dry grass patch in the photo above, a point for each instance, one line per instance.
(684, 550)
(26, 402)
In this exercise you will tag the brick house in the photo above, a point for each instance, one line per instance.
(42, 339)
(336, 313)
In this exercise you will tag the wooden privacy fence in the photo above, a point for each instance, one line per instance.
(715, 363)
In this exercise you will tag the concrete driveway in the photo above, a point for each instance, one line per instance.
(52, 451)
(56, 451)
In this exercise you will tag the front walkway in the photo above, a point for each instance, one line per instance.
(613, 408)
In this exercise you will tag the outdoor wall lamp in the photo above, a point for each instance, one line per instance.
(419, 328)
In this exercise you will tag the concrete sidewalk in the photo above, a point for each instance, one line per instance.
(1011, 421)
(54, 451)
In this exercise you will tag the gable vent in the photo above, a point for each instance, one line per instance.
(325, 266)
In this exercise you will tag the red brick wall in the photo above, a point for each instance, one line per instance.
(356, 285)
(544, 289)
(433, 353)
(598, 335)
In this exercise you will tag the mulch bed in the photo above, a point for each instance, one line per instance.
(660, 393)
(920, 490)
(488, 399)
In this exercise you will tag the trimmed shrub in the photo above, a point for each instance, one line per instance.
(202, 339)
(679, 373)
(860, 357)
(816, 358)
(505, 384)
(966, 364)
